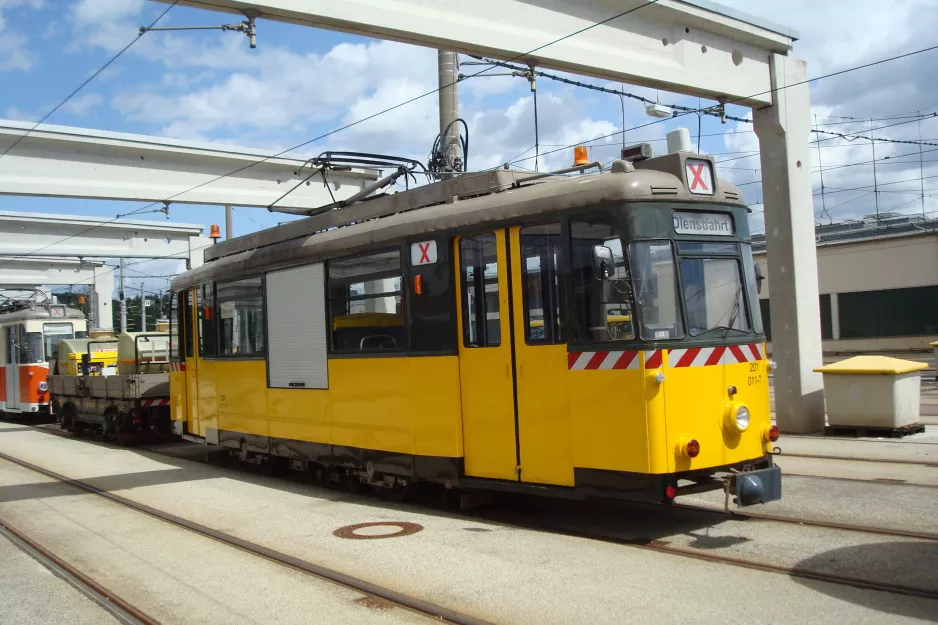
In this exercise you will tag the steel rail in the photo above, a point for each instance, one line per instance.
(661, 547)
(425, 608)
(119, 608)
(927, 463)
(638, 543)
(759, 516)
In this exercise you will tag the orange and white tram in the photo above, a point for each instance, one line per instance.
(29, 339)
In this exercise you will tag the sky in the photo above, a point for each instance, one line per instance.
(300, 83)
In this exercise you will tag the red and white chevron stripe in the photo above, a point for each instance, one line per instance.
(152, 403)
(706, 356)
(177, 366)
(589, 361)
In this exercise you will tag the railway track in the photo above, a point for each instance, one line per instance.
(777, 518)
(661, 546)
(122, 610)
(436, 612)
(925, 463)
(446, 615)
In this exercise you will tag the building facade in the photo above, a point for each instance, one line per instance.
(878, 282)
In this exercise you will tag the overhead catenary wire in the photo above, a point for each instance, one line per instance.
(362, 120)
(87, 80)
(770, 91)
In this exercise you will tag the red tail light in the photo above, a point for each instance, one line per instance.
(670, 492)
(693, 448)
(137, 421)
(773, 433)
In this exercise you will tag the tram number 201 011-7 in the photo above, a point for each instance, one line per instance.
(754, 379)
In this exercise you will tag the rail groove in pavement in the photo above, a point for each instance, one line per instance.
(120, 609)
(436, 612)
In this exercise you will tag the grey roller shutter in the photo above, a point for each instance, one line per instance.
(296, 328)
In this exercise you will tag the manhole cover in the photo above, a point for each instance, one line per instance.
(379, 529)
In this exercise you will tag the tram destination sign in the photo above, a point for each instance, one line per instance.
(707, 224)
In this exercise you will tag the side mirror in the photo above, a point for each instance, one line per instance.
(759, 277)
(603, 265)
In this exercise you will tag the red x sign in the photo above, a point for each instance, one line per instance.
(423, 253)
(699, 176)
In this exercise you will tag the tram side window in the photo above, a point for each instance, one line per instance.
(540, 258)
(240, 317)
(186, 325)
(206, 309)
(481, 320)
(175, 329)
(365, 303)
(601, 305)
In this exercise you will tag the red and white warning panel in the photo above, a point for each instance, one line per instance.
(699, 175)
(423, 253)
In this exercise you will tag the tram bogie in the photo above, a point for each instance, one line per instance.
(588, 336)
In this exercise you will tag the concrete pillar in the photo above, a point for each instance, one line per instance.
(783, 130)
(448, 74)
(835, 317)
(103, 291)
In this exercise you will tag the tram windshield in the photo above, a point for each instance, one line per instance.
(52, 334)
(713, 295)
(655, 283)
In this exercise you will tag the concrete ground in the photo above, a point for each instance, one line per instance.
(478, 563)
(171, 574)
(30, 593)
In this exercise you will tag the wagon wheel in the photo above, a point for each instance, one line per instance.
(111, 424)
(66, 417)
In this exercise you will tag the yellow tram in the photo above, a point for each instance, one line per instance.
(581, 335)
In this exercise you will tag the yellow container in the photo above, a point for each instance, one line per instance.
(143, 352)
(103, 350)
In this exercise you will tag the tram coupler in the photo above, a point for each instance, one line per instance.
(752, 487)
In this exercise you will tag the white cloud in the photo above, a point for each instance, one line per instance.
(109, 24)
(21, 116)
(83, 103)
(14, 51)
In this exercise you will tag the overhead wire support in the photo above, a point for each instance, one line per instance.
(324, 135)
(248, 27)
(875, 186)
(795, 84)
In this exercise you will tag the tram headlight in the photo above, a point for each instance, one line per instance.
(741, 418)
(43, 386)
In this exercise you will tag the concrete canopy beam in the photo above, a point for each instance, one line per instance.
(23, 233)
(61, 161)
(783, 130)
(690, 46)
(35, 272)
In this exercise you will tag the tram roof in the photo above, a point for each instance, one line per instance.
(39, 313)
(394, 217)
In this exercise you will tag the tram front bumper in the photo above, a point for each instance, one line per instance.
(752, 487)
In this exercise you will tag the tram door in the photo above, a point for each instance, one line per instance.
(544, 432)
(12, 381)
(188, 306)
(485, 363)
(512, 359)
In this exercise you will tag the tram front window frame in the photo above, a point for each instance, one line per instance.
(636, 230)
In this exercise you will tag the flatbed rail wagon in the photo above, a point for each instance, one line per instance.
(124, 406)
